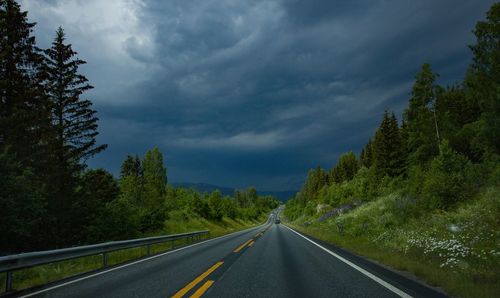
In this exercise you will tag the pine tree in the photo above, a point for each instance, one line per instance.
(24, 117)
(387, 147)
(73, 118)
(74, 130)
(366, 156)
(420, 118)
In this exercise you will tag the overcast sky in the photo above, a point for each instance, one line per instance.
(239, 93)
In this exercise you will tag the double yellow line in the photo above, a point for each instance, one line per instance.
(243, 245)
(209, 283)
(196, 281)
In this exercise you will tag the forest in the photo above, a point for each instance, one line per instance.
(426, 186)
(49, 197)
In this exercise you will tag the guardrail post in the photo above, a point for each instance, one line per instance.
(173, 243)
(104, 259)
(8, 281)
(148, 247)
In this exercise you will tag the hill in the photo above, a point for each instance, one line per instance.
(228, 191)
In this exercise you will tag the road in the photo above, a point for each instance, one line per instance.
(267, 261)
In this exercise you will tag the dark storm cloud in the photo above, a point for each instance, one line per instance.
(255, 92)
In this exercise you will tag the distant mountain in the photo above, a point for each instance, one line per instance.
(205, 187)
(280, 195)
(228, 191)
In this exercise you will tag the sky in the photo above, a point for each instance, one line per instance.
(253, 92)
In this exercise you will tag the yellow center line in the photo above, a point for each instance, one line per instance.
(197, 280)
(251, 243)
(242, 246)
(202, 289)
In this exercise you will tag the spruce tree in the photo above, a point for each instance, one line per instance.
(387, 147)
(74, 130)
(73, 119)
(24, 117)
(366, 156)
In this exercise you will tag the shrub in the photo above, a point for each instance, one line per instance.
(448, 180)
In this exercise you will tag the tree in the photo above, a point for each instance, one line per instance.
(97, 188)
(366, 156)
(346, 168)
(74, 127)
(483, 80)
(387, 148)
(24, 115)
(155, 178)
(215, 205)
(22, 208)
(74, 120)
(420, 118)
(131, 166)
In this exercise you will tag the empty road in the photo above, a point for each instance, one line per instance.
(267, 261)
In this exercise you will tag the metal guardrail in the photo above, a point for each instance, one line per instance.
(12, 263)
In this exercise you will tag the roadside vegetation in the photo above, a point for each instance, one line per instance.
(49, 197)
(424, 193)
(40, 275)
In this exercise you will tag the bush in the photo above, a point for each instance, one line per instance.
(448, 181)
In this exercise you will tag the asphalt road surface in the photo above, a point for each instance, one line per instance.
(267, 261)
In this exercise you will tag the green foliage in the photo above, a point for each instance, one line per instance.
(215, 205)
(366, 155)
(346, 168)
(483, 77)
(22, 206)
(427, 190)
(449, 180)
(155, 178)
(388, 157)
(420, 118)
(97, 189)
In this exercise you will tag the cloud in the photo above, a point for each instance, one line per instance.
(253, 92)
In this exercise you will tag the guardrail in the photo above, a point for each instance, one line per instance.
(11, 263)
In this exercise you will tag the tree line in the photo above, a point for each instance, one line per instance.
(445, 147)
(49, 198)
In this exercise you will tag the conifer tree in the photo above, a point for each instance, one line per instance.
(24, 117)
(366, 156)
(74, 130)
(387, 147)
(73, 119)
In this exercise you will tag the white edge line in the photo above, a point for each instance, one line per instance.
(368, 274)
(133, 263)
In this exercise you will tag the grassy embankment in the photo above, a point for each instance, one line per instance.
(44, 274)
(457, 250)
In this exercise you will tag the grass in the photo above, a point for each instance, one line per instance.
(457, 250)
(35, 276)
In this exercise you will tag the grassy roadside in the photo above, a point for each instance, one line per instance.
(40, 275)
(456, 250)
